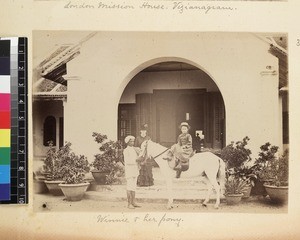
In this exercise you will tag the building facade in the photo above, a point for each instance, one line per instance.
(226, 85)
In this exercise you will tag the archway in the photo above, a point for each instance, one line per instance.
(167, 93)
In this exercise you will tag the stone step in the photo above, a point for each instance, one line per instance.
(98, 196)
(149, 194)
(195, 186)
(185, 190)
(181, 181)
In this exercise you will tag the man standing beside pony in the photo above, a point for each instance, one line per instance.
(131, 160)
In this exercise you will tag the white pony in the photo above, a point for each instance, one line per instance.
(206, 162)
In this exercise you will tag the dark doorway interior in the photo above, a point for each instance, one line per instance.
(164, 110)
(191, 108)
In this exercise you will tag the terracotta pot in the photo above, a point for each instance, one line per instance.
(74, 192)
(53, 187)
(246, 194)
(40, 186)
(233, 199)
(277, 194)
(100, 177)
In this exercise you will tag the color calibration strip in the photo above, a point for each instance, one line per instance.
(13, 120)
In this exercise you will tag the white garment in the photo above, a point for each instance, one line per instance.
(131, 166)
(131, 183)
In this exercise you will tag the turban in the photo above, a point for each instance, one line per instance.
(128, 138)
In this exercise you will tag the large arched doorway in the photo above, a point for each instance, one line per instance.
(167, 93)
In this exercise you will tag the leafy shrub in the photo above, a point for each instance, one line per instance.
(236, 154)
(237, 157)
(110, 158)
(64, 165)
(278, 170)
(267, 153)
(73, 167)
(52, 164)
(266, 157)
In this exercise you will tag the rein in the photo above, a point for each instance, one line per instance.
(156, 155)
(161, 153)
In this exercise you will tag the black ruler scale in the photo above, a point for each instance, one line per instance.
(22, 151)
(19, 122)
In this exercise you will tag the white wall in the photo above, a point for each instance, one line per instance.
(234, 61)
(145, 82)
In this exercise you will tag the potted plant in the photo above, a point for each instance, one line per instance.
(266, 155)
(277, 170)
(107, 163)
(74, 167)
(234, 189)
(52, 173)
(237, 158)
(247, 174)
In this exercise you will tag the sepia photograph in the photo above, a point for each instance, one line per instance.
(160, 121)
(152, 119)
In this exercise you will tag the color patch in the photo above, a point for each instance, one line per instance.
(4, 84)
(4, 120)
(4, 48)
(4, 156)
(4, 57)
(4, 65)
(4, 102)
(5, 192)
(4, 137)
(13, 120)
(4, 174)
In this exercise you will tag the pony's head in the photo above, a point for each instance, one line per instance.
(150, 149)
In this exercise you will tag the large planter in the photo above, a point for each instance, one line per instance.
(53, 187)
(100, 177)
(74, 192)
(277, 194)
(258, 188)
(233, 199)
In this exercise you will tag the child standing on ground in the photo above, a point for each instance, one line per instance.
(131, 170)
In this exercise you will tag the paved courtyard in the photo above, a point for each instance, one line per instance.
(188, 195)
(57, 203)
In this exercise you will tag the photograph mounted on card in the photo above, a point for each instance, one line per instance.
(91, 1)
(150, 121)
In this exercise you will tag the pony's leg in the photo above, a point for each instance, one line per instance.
(208, 192)
(213, 180)
(167, 173)
(222, 178)
(170, 192)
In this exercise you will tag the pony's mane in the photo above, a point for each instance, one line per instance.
(158, 147)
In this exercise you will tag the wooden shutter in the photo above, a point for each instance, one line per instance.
(219, 121)
(144, 111)
(126, 121)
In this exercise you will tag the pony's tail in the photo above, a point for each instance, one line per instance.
(221, 175)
